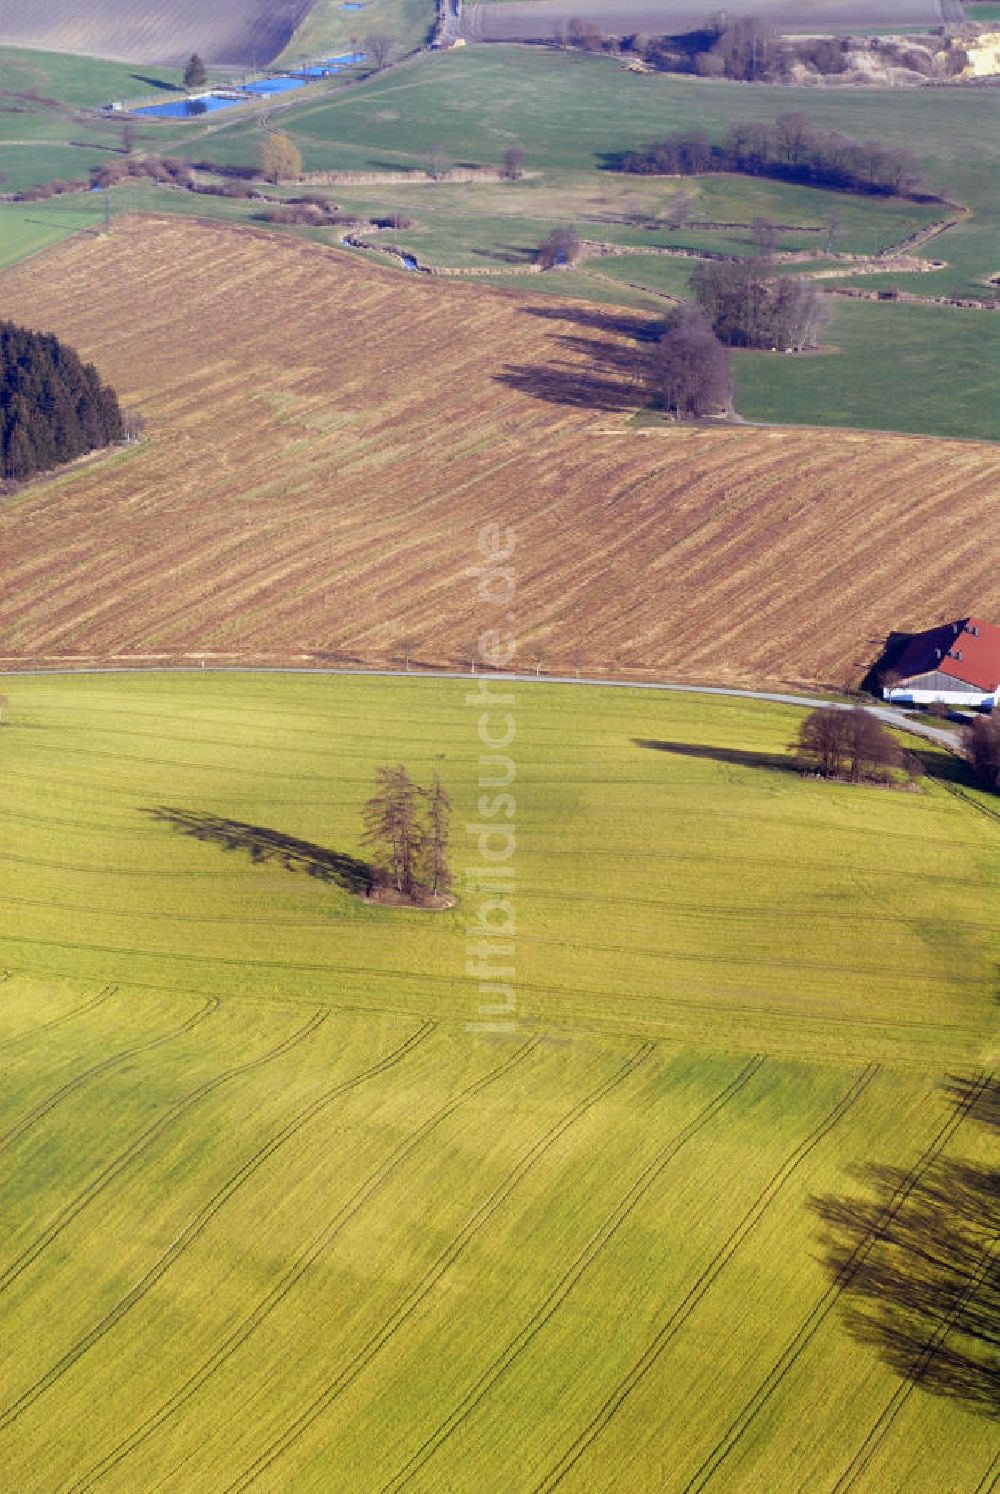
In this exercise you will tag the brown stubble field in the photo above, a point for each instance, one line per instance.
(236, 32)
(327, 437)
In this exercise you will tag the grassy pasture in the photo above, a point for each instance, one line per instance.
(27, 228)
(942, 363)
(568, 111)
(77, 81)
(278, 1211)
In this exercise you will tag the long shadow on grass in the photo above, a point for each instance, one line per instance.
(157, 83)
(735, 756)
(262, 844)
(916, 1261)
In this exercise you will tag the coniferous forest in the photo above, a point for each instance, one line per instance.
(53, 406)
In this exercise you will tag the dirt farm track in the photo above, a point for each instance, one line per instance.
(238, 32)
(327, 438)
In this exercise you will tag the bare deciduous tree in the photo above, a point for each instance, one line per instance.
(438, 162)
(435, 869)
(764, 237)
(391, 828)
(748, 308)
(981, 744)
(688, 369)
(678, 210)
(513, 163)
(378, 45)
(561, 247)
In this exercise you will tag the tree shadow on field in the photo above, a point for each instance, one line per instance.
(734, 756)
(610, 319)
(507, 254)
(917, 1263)
(571, 385)
(157, 83)
(263, 844)
(610, 375)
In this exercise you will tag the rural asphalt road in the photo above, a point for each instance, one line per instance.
(945, 736)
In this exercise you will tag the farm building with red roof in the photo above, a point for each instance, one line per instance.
(957, 663)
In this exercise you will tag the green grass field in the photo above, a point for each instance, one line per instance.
(279, 1213)
(329, 29)
(930, 369)
(26, 228)
(570, 112)
(80, 82)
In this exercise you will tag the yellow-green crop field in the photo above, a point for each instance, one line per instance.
(282, 1211)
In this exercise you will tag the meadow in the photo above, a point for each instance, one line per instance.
(571, 111)
(320, 461)
(572, 114)
(281, 1211)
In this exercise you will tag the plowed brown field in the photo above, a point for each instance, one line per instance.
(327, 439)
(238, 32)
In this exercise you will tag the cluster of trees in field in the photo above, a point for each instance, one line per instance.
(747, 307)
(407, 828)
(737, 304)
(53, 406)
(849, 744)
(791, 149)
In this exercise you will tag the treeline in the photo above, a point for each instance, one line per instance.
(53, 406)
(791, 149)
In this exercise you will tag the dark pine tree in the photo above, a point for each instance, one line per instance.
(53, 406)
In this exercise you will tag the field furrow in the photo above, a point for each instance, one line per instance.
(326, 507)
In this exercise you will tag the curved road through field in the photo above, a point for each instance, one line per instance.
(944, 736)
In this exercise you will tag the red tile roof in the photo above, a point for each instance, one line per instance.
(969, 650)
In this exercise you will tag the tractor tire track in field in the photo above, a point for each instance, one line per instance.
(78, 1081)
(143, 1142)
(918, 1369)
(306, 1258)
(963, 798)
(817, 1315)
(990, 1478)
(204, 1216)
(693, 1298)
(78, 1011)
(543, 1314)
(409, 1304)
